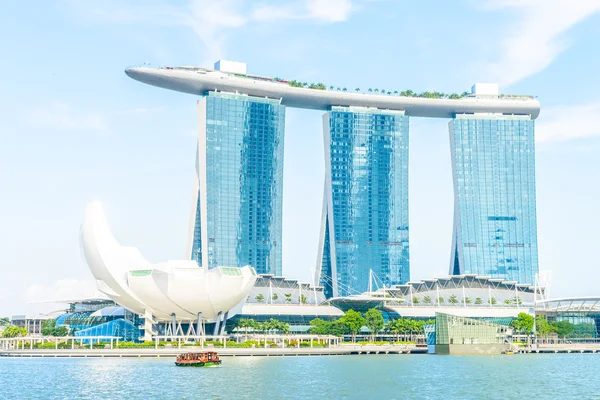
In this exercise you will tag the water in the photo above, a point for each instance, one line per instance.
(563, 376)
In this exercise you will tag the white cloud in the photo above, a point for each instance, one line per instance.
(210, 20)
(536, 38)
(63, 116)
(564, 123)
(329, 10)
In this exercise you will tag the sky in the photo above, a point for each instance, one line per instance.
(74, 128)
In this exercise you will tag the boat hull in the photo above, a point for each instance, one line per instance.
(198, 364)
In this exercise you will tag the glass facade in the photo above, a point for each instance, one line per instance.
(366, 200)
(451, 329)
(495, 233)
(241, 154)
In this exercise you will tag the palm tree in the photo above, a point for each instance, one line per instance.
(370, 90)
(357, 90)
(396, 92)
(376, 90)
(330, 87)
(344, 90)
(288, 297)
(398, 327)
(338, 88)
(245, 324)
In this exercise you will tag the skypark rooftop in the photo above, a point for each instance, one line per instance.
(198, 81)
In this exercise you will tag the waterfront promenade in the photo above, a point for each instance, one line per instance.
(345, 349)
(342, 349)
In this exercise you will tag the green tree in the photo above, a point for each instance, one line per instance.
(48, 327)
(478, 300)
(492, 300)
(562, 328)
(357, 90)
(584, 330)
(61, 331)
(523, 323)
(274, 297)
(427, 299)
(288, 297)
(467, 300)
(374, 321)
(453, 299)
(542, 327)
(415, 300)
(302, 299)
(517, 300)
(319, 326)
(353, 322)
(260, 298)
(399, 327)
(246, 324)
(370, 90)
(275, 325)
(413, 326)
(507, 301)
(440, 300)
(14, 331)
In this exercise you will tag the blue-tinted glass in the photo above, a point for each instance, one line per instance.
(366, 200)
(244, 183)
(495, 229)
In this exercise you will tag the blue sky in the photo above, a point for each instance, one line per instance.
(74, 128)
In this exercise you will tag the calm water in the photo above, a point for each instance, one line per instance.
(351, 377)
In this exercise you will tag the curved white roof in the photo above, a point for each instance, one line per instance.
(571, 304)
(198, 81)
(180, 287)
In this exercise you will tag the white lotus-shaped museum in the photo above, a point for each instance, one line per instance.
(179, 288)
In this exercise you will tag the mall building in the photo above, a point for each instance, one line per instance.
(235, 229)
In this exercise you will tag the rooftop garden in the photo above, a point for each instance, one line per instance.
(404, 93)
(381, 91)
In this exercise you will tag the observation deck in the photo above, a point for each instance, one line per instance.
(198, 81)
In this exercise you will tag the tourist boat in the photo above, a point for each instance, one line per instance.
(205, 359)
